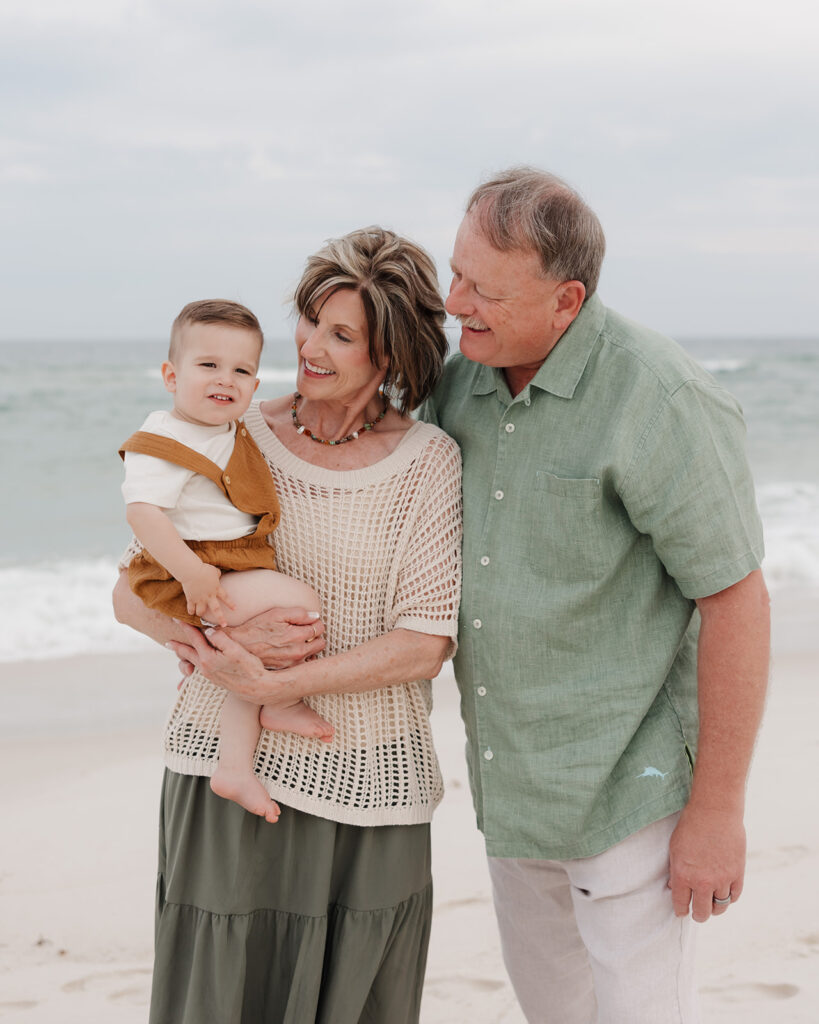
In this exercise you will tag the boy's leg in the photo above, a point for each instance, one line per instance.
(253, 592)
(234, 778)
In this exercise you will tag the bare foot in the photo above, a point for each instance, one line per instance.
(243, 788)
(299, 718)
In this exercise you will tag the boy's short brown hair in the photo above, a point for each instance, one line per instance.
(213, 311)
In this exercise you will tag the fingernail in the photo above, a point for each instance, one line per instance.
(312, 615)
(209, 631)
(169, 646)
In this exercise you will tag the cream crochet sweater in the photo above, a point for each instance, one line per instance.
(381, 546)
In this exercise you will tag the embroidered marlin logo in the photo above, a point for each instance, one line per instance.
(651, 773)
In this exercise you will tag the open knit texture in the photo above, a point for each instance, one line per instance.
(381, 547)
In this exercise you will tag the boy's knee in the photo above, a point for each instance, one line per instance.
(305, 596)
(287, 592)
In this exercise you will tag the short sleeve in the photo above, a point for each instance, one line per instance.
(689, 488)
(153, 480)
(428, 587)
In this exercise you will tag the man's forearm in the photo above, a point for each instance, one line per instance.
(707, 850)
(733, 665)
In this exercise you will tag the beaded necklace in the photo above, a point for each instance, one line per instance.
(301, 429)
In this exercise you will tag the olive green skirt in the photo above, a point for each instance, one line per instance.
(303, 921)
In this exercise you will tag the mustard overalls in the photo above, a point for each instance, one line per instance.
(246, 482)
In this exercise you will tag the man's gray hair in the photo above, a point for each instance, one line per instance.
(523, 209)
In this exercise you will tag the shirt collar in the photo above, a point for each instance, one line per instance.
(564, 366)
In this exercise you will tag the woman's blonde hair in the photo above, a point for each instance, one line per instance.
(398, 286)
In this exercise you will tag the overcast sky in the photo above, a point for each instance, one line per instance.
(156, 152)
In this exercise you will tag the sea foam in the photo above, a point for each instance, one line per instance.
(59, 608)
(790, 512)
(724, 365)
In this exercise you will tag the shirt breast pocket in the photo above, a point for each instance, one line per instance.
(569, 538)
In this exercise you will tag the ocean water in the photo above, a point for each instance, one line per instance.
(66, 406)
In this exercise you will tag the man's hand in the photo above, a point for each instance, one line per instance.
(707, 861)
(281, 637)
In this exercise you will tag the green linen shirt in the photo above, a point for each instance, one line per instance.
(598, 504)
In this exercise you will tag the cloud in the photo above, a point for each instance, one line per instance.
(765, 216)
(167, 148)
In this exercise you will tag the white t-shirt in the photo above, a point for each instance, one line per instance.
(194, 504)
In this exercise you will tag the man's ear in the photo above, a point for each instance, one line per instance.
(169, 376)
(568, 300)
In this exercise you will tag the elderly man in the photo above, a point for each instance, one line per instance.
(614, 633)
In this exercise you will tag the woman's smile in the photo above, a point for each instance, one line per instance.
(320, 371)
(333, 346)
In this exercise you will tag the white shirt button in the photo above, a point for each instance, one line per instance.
(485, 560)
(499, 495)
(488, 755)
(510, 428)
(477, 623)
(481, 691)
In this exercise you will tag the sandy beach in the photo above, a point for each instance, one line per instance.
(80, 767)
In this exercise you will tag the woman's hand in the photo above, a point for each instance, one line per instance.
(228, 664)
(280, 637)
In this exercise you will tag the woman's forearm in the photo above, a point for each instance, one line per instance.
(130, 611)
(397, 657)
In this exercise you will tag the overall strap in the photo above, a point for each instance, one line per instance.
(145, 443)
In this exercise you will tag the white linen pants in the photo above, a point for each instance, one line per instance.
(595, 940)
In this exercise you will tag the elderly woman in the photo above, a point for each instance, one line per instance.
(324, 916)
